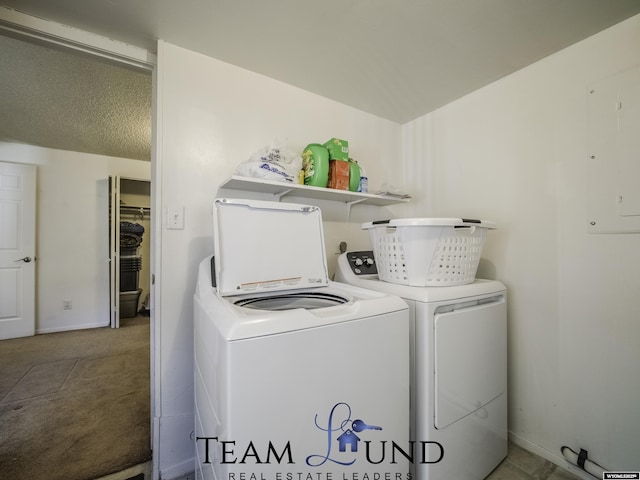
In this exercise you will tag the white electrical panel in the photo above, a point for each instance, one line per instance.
(614, 154)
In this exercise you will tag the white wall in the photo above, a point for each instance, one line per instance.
(211, 117)
(515, 152)
(72, 232)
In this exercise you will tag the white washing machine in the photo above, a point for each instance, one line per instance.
(458, 370)
(296, 376)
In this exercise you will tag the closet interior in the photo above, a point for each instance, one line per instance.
(130, 228)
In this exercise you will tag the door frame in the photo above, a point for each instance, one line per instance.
(114, 251)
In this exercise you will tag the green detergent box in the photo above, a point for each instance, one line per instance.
(338, 149)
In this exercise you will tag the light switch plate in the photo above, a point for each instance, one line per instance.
(175, 218)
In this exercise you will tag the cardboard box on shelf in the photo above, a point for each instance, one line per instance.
(338, 149)
(339, 174)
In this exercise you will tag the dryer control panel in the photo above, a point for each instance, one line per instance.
(362, 263)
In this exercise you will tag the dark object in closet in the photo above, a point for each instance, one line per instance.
(130, 266)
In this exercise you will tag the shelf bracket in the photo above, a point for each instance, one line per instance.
(279, 195)
(354, 202)
(351, 204)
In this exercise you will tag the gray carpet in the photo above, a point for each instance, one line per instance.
(75, 405)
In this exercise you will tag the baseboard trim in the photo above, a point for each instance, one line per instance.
(181, 471)
(131, 472)
(186, 476)
(69, 328)
(554, 458)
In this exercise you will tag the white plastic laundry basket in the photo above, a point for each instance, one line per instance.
(428, 252)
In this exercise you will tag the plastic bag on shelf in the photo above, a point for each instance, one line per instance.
(273, 162)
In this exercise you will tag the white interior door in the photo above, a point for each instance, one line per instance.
(114, 251)
(17, 250)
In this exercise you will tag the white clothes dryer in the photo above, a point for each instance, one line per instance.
(294, 374)
(458, 369)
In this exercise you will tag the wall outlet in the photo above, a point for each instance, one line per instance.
(67, 304)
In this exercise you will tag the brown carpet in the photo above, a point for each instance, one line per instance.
(75, 405)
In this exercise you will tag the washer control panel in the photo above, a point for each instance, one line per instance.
(362, 263)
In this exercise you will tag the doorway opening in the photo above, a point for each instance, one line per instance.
(129, 249)
(49, 123)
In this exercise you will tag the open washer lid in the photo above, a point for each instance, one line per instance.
(267, 246)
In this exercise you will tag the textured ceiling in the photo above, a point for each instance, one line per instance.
(68, 101)
(395, 59)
